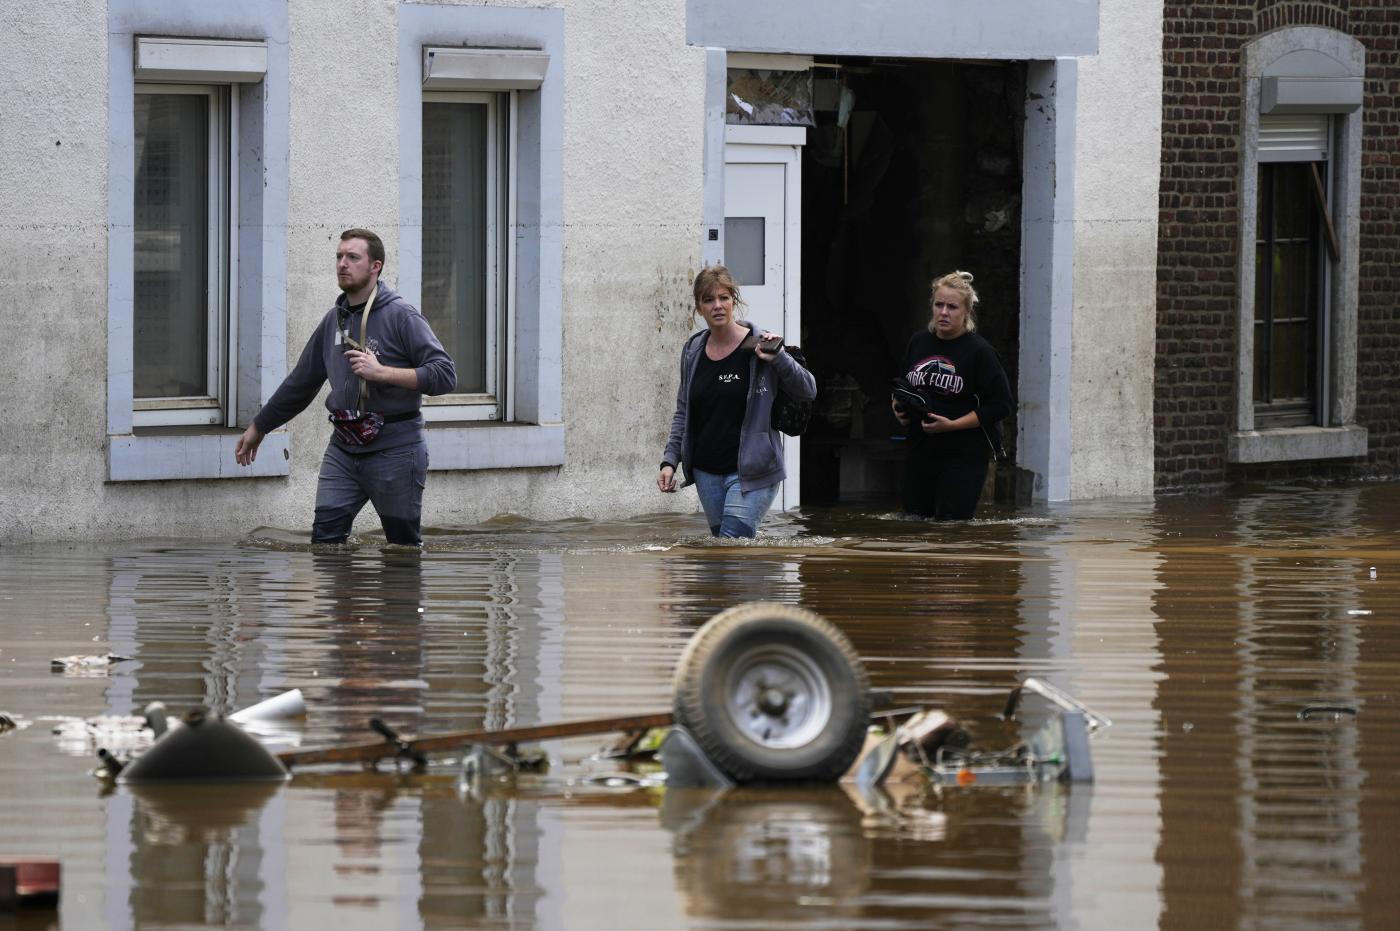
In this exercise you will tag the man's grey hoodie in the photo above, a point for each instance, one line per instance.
(399, 336)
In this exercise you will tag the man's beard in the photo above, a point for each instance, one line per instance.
(354, 284)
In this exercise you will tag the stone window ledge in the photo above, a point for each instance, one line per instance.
(1290, 444)
(161, 454)
(167, 455)
(494, 446)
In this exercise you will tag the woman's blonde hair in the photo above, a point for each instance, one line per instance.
(710, 278)
(960, 282)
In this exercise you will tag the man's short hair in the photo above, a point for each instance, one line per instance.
(376, 245)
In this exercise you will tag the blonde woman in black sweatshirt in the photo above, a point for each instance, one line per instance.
(959, 397)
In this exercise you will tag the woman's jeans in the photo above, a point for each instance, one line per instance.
(392, 480)
(731, 512)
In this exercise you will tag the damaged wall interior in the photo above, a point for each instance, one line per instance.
(911, 169)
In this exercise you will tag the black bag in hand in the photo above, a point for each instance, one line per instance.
(790, 414)
(910, 401)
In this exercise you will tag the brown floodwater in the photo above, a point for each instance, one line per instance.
(1246, 648)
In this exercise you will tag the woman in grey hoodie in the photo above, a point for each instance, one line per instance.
(722, 435)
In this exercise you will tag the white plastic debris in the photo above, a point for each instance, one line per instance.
(277, 708)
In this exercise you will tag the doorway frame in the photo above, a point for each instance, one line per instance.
(780, 145)
(1047, 257)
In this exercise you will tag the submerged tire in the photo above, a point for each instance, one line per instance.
(773, 693)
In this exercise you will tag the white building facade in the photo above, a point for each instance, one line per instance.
(547, 179)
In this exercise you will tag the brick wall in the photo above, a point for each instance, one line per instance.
(1376, 23)
(1198, 248)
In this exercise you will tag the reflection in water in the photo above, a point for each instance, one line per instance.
(479, 859)
(768, 855)
(372, 606)
(1202, 627)
(198, 853)
(1271, 818)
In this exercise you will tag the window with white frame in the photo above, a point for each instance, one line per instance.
(470, 140)
(183, 217)
(1300, 182)
(481, 117)
(197, 131)
(184, 224)
(467, 145)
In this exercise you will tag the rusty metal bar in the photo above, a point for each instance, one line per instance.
(369, 753)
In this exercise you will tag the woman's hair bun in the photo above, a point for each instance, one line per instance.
(965, 276)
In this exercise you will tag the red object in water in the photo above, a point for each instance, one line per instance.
(28, 880)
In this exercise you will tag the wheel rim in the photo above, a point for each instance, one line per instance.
(778, 697)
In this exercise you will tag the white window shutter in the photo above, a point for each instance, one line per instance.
(1293, 137)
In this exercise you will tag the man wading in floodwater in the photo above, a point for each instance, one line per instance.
(381, 357)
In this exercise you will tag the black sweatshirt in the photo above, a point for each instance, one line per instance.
(957, 376)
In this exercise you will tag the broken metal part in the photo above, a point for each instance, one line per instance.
(405, 749)
(902, 753)
(1058, 752)
(1060, 698)
(633, 745)
(617, 780)
(922, 736)
(482, 762)
(687, 766)
(876, 760)
(111, 766)
(1079, 762)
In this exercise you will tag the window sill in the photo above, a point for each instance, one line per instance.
(169, 456)
(494, 445)
(1292, 444)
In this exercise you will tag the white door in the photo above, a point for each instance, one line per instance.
(762, 243)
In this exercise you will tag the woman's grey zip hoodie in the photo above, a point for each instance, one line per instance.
(760, 446)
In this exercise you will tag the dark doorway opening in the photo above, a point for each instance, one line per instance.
(913, 170)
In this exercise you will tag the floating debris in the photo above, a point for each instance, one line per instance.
(289, 704)
(119, 733)
(208, 748)
(1331, 712)
(28, 882)
(621, 780)
(124, 737)
(87, 665)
